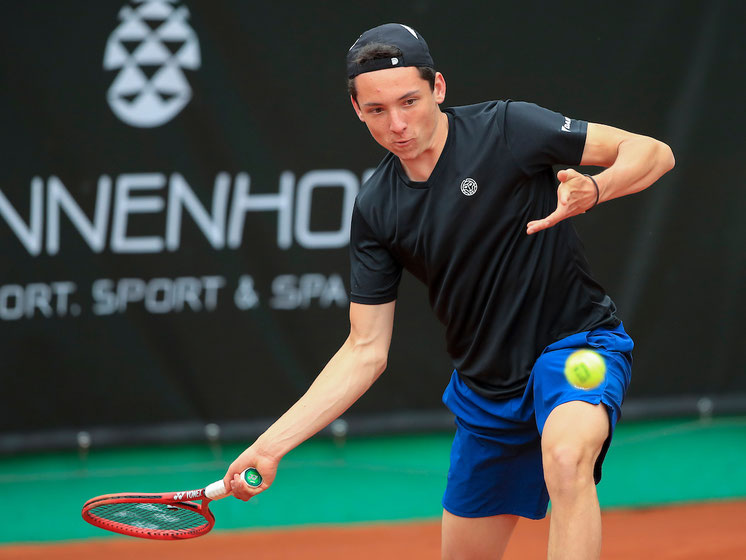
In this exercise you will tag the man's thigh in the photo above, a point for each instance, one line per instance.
(475, 538)
(582, 419)
(574, 436)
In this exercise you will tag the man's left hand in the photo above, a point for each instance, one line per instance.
(576, 194)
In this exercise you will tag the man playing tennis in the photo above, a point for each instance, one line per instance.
(467, 201)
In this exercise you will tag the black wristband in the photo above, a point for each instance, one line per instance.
(598, 192)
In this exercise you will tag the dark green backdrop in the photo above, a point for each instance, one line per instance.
(229, 320)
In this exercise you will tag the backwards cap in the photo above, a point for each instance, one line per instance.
(412, 45)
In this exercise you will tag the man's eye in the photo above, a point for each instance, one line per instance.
(410, 101)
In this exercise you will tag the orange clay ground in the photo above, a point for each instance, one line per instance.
(700, 531)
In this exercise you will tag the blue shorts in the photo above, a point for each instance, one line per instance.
(496, 465)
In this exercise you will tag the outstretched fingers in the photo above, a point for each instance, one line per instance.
(575, 195)
(553, 219)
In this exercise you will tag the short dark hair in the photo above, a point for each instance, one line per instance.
(375, 51)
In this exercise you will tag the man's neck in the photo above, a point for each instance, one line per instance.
(420, 168)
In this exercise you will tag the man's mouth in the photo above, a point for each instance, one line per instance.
(402, 143)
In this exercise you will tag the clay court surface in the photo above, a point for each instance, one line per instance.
(701, 531)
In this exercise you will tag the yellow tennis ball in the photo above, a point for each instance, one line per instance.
(585, 369)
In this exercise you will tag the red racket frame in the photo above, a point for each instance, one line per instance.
(175, 499)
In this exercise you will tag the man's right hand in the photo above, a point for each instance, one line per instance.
(233, 481)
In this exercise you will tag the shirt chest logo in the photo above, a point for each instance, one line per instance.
(468, 186)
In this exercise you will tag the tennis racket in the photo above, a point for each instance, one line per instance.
(167, 516)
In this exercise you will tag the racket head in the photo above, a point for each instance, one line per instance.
(149, 516)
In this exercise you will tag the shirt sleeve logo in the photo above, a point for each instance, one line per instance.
(566, 126)
(468, 186)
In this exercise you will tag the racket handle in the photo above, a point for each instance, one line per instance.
(216, 490)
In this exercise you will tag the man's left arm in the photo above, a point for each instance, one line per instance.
(633, 163)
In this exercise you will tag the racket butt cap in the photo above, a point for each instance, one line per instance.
(252, 477)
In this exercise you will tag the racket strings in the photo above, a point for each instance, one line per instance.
(150, 516)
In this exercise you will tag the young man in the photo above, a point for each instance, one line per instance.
(467, 201)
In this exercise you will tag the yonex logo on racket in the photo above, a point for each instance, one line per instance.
(188, 495)
(469, 186)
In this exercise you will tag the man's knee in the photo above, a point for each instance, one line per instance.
(568, 466)
(572, 439)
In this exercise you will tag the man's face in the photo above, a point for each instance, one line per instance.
(399, 109)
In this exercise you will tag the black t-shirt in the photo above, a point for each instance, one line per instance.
(503, 295)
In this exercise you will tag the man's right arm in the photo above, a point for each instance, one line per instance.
(347, 376)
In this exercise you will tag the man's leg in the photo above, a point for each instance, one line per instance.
(475, 538)
(573, 436)
(496, 473)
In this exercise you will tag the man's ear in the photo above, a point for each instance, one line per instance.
(439, 88)
(357, 108)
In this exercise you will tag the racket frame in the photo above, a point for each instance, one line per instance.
(180, 500)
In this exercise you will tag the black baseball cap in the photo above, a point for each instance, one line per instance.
(414, 50)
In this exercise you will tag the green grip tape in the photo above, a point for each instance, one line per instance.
(252, 477)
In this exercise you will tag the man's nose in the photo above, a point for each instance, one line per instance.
(397, 124)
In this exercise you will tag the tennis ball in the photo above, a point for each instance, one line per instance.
(585, 369)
